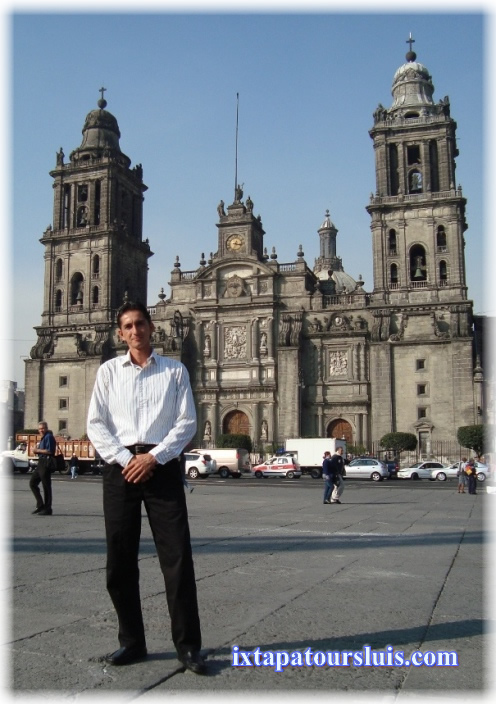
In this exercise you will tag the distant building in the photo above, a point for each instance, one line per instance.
(11, 413)
(275, 350)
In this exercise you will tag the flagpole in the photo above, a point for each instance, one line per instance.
(236, 158)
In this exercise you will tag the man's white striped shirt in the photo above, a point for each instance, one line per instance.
(141, 405)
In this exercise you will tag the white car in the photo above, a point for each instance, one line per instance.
(420, 470)
(285, 466)
(366, 468)
(199, 464)
(451, 472)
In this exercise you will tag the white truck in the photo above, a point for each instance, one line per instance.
(309, 452)
(16, 459)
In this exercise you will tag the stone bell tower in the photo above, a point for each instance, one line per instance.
(95, 257)
(418, 211)
(421, 337)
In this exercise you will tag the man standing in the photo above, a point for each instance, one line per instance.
(141, 417)
(43, 471)
(337, 469)
(74, 465)
(471, 472)
(327, 477)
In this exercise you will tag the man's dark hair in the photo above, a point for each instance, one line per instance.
(129, 305)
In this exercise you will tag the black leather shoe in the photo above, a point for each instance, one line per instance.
(45, 512)
(126, 656)
(193, 660)
(37, 510)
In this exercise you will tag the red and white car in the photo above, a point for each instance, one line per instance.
(284, 466)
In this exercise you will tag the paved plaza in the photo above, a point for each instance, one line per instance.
(397, 564)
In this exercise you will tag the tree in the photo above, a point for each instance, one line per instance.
(397, 442)
(472, 436)
(234, 440)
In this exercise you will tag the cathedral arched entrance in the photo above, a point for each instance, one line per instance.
(340, 428)
(236, 422)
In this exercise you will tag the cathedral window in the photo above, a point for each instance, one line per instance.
(394, 276)
(392, 242)
(95, 267)
(418, 268)
(96, 207)
(58, 301)
(422, 390)
(66, 206)
(77, 292)
(441, 239)
(95, 296)
(434, 165)
(62, 426)
(413, 155)
(394, 182)
(443, 273)
(415, 181)
(82, 193)
(59, 268)
(421, 413)
(82, 216)
(63, 381)
(420, 364)
(63, 404)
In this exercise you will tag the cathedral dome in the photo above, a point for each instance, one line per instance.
(100, 130)
(412, 84)
(344, 282)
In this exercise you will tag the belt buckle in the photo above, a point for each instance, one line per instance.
(139, 449)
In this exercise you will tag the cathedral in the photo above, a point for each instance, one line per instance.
(275, 350)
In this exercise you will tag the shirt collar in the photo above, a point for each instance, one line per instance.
(126, 359)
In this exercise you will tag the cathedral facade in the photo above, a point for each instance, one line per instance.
(275, 350)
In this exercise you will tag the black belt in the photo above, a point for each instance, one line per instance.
(140, 449)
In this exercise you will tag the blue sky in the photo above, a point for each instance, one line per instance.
(308, 84)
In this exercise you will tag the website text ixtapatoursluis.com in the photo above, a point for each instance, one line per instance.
(366, 657)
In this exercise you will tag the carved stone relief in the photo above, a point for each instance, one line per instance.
(235, 342)
(338, 363)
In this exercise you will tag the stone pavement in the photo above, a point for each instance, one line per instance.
(398, 564)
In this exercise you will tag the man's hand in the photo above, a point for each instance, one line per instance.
(140, 468)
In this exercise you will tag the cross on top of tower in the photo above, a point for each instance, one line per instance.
(411, 55)
(102, 102)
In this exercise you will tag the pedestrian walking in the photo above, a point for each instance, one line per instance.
(327, 477)
(338, 472)
(74, 466)
(470, 471)
(141, 417)
(462, 479)
(43, 471)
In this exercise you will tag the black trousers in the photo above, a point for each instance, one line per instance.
(165, 503)
(42, 474)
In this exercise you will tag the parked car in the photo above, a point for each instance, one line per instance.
(284, 466)
(420, 470)
(198, 464)
(450, 472)
(367, 468)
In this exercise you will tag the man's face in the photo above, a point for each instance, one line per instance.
(42, 428)
(135, 330)
(339, 450)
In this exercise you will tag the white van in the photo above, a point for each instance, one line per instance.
(231, 462)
